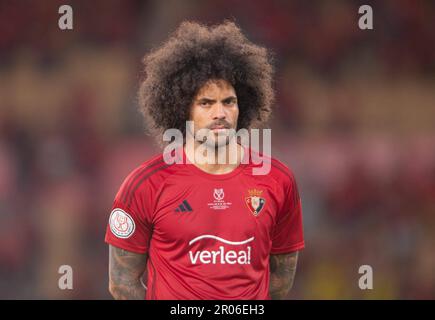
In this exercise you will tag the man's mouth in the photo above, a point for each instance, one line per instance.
(219, 127)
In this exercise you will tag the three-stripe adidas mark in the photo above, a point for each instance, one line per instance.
(184, 207)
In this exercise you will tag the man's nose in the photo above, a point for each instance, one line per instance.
(218, 111)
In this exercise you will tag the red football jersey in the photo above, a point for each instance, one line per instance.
(207, 236)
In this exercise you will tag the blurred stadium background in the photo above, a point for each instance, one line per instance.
(354, 119)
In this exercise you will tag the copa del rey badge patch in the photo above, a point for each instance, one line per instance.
(121, 223)
(255, 202)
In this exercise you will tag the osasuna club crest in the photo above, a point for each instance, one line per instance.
(255, 202)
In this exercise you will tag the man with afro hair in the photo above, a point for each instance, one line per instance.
(205, 229)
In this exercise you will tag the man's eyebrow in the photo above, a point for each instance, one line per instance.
(230, 98)
(206, 100)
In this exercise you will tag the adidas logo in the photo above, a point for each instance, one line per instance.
(184, 207)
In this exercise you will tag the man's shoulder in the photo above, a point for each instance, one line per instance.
(151, 170)
(278, 170)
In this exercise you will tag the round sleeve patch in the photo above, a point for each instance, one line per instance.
(121, 223)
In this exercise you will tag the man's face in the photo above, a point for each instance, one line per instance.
(215, 108)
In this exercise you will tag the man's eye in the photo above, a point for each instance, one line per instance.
(204, 103)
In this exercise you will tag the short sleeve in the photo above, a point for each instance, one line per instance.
(287, 234)
(129, 226)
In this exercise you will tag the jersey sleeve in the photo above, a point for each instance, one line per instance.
(287, 234)
(129, 226)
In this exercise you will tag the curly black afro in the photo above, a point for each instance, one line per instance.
(194, 54)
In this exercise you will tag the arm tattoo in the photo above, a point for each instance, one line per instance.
(125, 271)
(282, 272)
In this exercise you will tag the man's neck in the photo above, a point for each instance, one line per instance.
(223, 166)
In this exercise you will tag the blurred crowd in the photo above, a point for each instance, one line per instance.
(353, 119)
